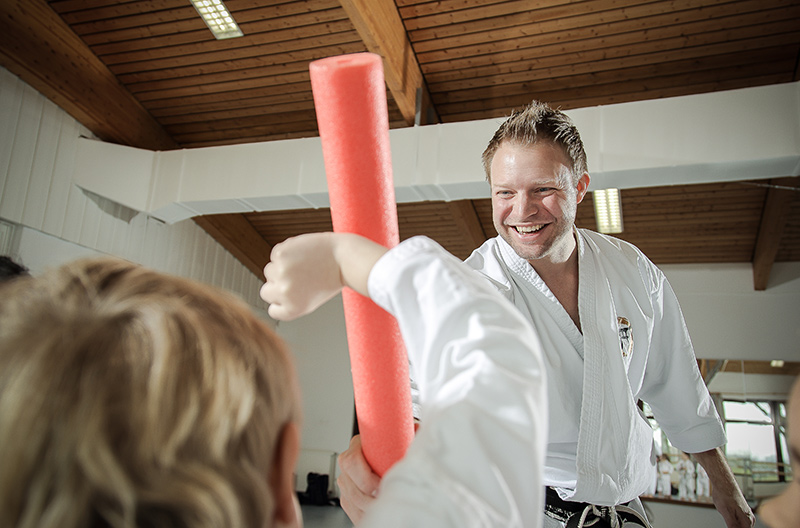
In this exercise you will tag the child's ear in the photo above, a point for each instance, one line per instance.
(281, 477)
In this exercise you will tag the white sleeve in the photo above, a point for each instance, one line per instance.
(477, 457)
(673, 385)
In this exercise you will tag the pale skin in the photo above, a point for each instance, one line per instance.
(535, 196)
(783, 511)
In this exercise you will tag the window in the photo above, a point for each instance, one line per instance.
(757, 439)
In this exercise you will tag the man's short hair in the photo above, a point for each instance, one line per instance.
(534, 123)
(130, 397)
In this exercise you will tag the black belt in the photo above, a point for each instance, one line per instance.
(566, 511)
(558, 508)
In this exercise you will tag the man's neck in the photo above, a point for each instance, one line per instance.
(561, 277)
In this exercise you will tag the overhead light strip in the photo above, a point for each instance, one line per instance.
(218, 19)
(608, 210)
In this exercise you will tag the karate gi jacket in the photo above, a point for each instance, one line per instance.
(476, 459)
(633, 345)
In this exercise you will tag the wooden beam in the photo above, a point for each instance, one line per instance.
(379, 25)
(235, 233)
(709, 368)
(42, 50)
(773, 221)
(469, 223)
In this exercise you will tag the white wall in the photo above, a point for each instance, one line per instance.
(728, 319)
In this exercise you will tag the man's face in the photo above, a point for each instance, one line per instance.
(534, 200)
(783, 511)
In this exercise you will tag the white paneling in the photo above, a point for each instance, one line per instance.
(56, 208)
(226, 282)
(6, 237)
(38, 146)
(136, 232)
(19, 169)
(161, 245)
(90, 223)
(10, 102)
(39, 251)
(219, 257)
(41, 175)
(195, 254)
(107, 226)
(73, 214)
(185, 245)
(206, 271)
(119, 242)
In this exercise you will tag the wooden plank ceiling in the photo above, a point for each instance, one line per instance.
(148, 73)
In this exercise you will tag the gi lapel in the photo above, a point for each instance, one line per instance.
(610, 421)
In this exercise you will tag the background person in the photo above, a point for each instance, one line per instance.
(665, 469)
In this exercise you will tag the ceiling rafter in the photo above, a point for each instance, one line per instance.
(469, 223)
(773, 222)
(39, 47)
(379, 25)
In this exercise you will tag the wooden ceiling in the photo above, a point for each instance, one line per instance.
(149, 74)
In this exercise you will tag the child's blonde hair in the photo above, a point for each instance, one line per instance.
(132, 398)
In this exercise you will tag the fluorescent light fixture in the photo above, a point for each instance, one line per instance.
(608, 210)
(777, 363)
(218, 19)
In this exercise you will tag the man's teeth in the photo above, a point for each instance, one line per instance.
(528, 229)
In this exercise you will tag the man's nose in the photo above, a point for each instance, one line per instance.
(527, 206)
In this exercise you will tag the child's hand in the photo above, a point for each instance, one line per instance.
(306, 271)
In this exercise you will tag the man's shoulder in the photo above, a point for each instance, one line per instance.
(622, 255)
(489, 250)
(487, 260)
(613, 248)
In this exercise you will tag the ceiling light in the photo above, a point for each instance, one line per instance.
(218, 19)
(608, 210)
(777, 363)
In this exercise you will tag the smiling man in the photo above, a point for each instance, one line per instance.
(612, 333)
(611, 328)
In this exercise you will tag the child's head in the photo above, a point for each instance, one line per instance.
(783, 511)
(132, 398)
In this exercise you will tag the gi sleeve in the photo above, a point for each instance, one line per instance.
(477, 457)
(673, 385)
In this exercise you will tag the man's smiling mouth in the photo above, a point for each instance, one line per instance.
(525, 230)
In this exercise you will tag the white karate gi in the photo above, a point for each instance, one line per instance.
(685, 469)
(476, 459)
(665, 469)
(634, 345)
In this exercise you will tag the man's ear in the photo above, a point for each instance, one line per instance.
(281, 477)
(583, 186)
